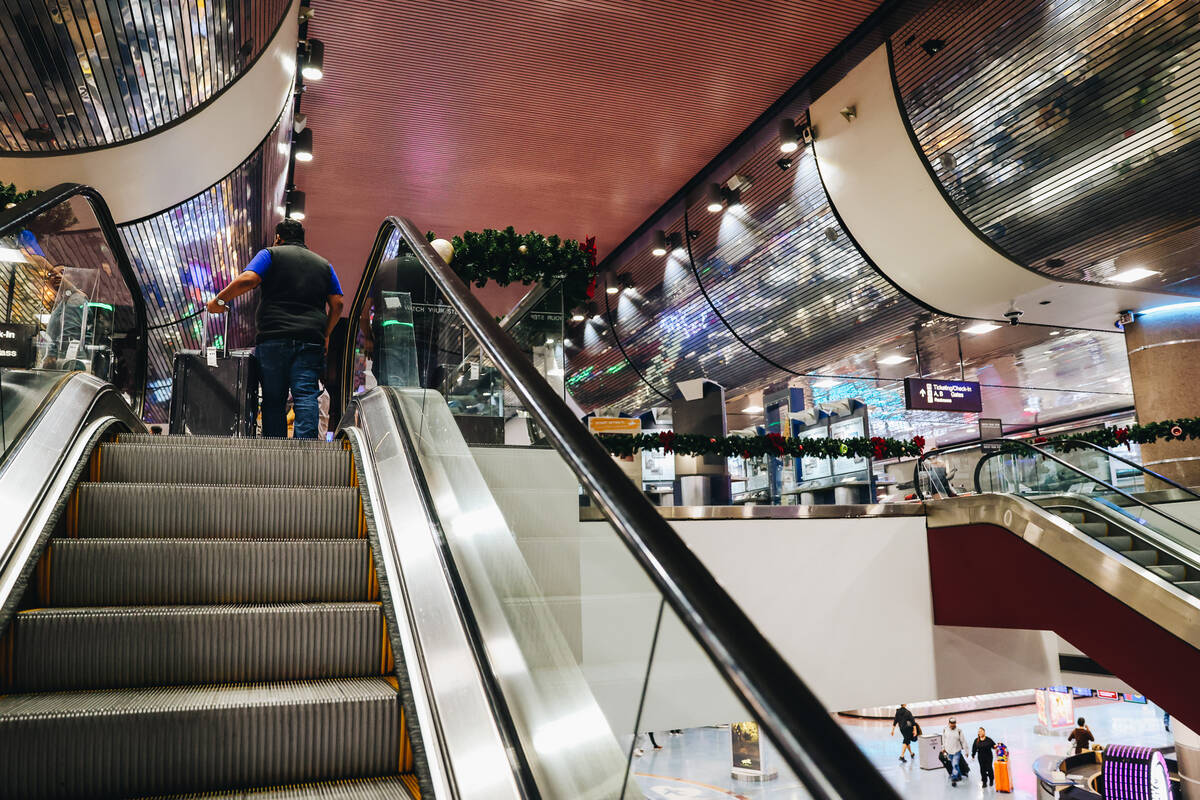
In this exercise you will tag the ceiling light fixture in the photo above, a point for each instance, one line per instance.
(981, 327)
(660, 243)
(625, 281)
(784, 164)
(716, 198)
(893, 359)
(789, 136)
(1133, 274)
(933, 46)
(577, 317)
(314, 60)
(296, 204)
(612, 289)
(302, 144)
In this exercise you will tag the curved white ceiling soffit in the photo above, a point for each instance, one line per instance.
(881, 187)
(155, 172)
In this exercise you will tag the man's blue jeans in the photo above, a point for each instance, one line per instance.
(285, 364)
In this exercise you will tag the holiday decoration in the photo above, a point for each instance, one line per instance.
(9, 196)
(509, 257)
(772, 444)
(1167, 430)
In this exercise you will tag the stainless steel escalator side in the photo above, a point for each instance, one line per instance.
(465, 751)
(1130, 583)
(41, 468)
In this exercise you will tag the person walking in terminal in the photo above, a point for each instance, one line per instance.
(955, 745)
(907, 723)
(1081, 736)
(293, 326)
(981, 750)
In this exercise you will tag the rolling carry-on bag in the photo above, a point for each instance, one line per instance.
(214, 393)
(1003, 777)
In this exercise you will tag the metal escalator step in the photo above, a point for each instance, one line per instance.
(1093, 529)
(1191, 587)
(1144, 557)
(154, 510)
(1172, 572)
(130, 572)
(1073, 517)
(396, 787)
(1119, 543)
(138, 742)
(224, 466)
(62, 649)
(226, 441)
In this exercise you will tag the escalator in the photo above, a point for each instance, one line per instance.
(192, 616)
(1047, 540)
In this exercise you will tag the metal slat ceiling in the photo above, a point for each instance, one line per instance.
(569, 117)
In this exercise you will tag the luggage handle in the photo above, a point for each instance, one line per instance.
(204, 336)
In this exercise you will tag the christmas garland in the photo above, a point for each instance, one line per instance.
(510, 257)
(1168, 430)
(9, 196)
(772, 444)
(53, 220)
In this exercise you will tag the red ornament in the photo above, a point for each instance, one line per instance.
(1121, 435)
(919, 441)
(667, 440)
(776, 441)
(1177, 431)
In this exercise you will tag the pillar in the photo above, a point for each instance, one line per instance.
(1164, 364)
(1187, 753)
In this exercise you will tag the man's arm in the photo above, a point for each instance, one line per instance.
(236, 288)
(335, 312)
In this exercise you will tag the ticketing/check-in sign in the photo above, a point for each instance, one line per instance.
(16, 345)
(615, 424)
(926, 394)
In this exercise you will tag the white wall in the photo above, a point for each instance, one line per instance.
(846, 601)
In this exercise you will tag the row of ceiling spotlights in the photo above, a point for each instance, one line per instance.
(312, 68)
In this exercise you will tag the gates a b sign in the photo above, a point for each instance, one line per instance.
(927, 394)
(16, 345)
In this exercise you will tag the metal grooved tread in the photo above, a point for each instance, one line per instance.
(100, 648)
(245, 466)
(136, 742)
(127, 572)
(154, 510)
(400, 787)
(227, 442)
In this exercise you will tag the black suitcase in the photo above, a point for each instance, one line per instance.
(214, 401)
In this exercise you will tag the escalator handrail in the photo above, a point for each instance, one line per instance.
(20, 214)
(1130, 462)
(822, 755)
(1184, 555)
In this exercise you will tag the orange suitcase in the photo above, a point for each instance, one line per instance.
(1003, 778)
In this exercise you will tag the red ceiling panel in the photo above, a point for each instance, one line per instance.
(562, 116)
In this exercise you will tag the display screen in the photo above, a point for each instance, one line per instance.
(812, 469)
(1055, 709)
(922, 394)
(1134, 698)
(1106, 694)
(848, 429)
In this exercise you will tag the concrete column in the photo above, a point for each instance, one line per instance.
(1164, 363)
(1187, 752)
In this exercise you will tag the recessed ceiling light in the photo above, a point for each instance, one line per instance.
(752, 410)
(1133, 274)
(894, 358)
(981, 327)
(613, 289)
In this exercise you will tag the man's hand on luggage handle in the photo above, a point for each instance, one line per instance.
(215, 306)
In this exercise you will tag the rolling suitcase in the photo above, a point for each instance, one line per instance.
(1003, 778)
(214, 393)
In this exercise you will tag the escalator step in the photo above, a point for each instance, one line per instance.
(59, 649)
(1121, 544)
(1144, 557)
(131, 510)
(1093, 529)
(1191, 587)
(224, 466)
(1171, 572)
(129, 572)
(225, 441)
(398, 787)
(1073, 517)
(138, 742)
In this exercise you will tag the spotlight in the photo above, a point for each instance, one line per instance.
(296, 204)
(716, 198)
(302, 144)
(314, 60)
(849, 113)
(932, 46)
(789, 138)
(784, 164)
(661, 245)
(299, 122)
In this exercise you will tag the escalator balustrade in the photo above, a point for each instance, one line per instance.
(205, 619)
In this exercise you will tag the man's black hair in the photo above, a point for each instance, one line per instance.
(291, 231)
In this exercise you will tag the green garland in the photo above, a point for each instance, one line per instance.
(509, 257)
(1168, 430)
(690, 444)
(9, 196)
(53, 220)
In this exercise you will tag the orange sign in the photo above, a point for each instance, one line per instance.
(614, 425)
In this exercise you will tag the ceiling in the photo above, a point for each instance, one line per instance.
(561, 116)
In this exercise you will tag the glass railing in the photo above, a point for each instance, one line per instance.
(611, 626)
(1067, 475)
(69, 301)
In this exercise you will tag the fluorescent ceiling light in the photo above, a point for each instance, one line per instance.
(752, 410)
(894, 358)
(981, 327)
(1133, 274)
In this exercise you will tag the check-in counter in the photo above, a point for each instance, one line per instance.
(1070, 778)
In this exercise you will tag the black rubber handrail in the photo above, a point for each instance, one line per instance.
(821, 754)
(15, 218)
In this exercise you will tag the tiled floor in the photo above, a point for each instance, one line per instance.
(696, 765)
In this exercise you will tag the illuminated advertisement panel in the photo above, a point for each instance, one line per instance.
(1135, 773)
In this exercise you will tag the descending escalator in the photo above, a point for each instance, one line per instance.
(205, 618)
(1048, 541)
